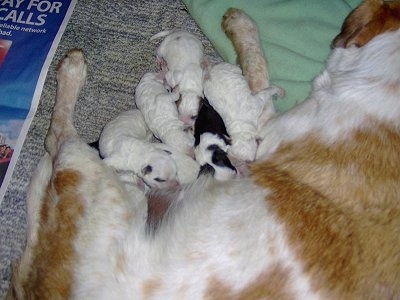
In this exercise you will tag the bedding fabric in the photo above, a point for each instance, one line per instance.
(295, 36)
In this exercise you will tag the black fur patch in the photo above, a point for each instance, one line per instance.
(208, 120)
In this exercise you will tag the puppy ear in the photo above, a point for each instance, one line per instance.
(174, 96)
(178, 76)
(219, 157)
(213, 147)
(147, 170)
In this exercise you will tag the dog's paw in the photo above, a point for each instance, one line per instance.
(230, 17)
(236, 21)
(72, 66)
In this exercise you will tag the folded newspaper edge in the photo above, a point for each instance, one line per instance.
(19, 19)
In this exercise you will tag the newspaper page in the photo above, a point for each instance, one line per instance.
(30, 31)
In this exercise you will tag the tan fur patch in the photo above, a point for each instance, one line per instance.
(271, 285)
(341, 207)
(150, 287)
(120, 262)
(244, 35)
(51, 276)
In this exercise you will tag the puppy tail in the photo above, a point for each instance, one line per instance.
(161, 34)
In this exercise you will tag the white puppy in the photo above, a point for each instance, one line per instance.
(125, 144)
(228, 92)
(160, 113)
(188, 168)
(181, 55)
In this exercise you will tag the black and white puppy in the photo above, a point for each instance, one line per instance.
(211, 143)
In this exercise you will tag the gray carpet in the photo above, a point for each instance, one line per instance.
(115, 38)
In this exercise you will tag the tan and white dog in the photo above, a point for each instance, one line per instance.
(318, 218)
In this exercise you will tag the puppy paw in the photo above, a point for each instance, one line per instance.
(272, 91)
(277, 91)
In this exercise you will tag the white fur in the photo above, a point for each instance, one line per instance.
(188, 168)
(345, 83)
(160, 113)
(228, 92)
(183, 54)
(220, 235)
(125, 143)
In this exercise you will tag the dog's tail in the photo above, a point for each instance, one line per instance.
(161, 34)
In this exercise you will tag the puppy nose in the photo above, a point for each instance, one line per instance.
(191, 153)
(187, 121)
(173, 183)
(206, 169)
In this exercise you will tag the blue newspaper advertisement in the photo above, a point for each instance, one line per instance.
(30, 31)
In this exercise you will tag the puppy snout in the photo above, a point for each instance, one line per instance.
(188, 120)
(173, 183)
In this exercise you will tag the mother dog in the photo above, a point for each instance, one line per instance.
(318, 218)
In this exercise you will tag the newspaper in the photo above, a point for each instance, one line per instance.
(30, 31)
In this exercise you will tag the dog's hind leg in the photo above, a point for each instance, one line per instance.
(71, 76)
(26, 281)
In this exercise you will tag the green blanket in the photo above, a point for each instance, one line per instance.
(295, 36)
